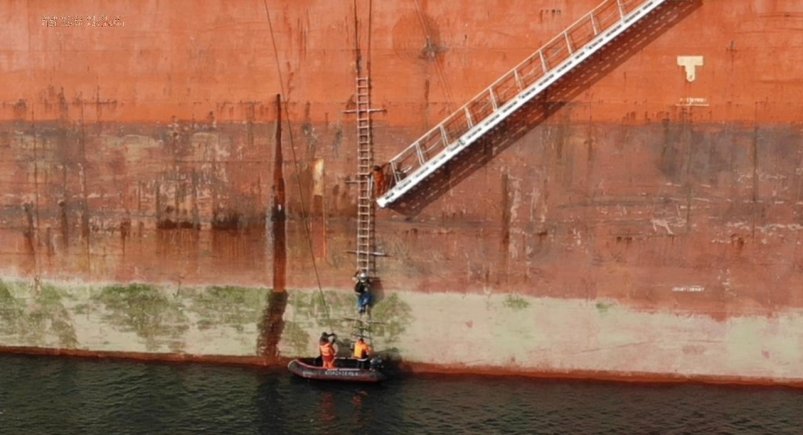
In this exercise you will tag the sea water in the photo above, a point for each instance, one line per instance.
(49, 395)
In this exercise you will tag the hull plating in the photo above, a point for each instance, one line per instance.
(662, 181)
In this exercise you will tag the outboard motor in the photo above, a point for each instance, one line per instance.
(376, 363)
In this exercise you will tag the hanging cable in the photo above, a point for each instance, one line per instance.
(304, 216)
(439, 72)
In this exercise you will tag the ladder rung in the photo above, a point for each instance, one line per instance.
(365, 161)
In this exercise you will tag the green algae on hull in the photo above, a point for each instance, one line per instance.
(146, 311)
(38, 319)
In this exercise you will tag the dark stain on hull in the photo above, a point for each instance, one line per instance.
(29, 231)
(272, 326)
(273, 319)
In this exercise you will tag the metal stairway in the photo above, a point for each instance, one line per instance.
(365, 163)
(547, 65)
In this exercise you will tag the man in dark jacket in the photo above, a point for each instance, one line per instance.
(363, 289)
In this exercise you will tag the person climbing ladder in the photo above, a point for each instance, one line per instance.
(363, 289)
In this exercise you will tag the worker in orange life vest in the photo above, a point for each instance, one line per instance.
(328, 351)
(379, 180)
(362, 351)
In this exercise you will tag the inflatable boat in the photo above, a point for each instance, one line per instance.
(345, 370)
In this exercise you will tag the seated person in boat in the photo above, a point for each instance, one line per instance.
(362, 352)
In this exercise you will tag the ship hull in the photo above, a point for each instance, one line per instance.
(643, 217)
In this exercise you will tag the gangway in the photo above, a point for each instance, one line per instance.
(547, 65)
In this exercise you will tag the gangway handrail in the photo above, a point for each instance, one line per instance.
(438, 145)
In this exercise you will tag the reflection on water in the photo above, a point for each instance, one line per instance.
(51, 395)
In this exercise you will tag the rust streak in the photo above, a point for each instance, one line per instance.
(273, 318)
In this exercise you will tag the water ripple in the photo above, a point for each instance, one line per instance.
(54, 396)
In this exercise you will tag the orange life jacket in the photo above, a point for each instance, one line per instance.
(327, 350)
(328, 355)
(361, 350)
